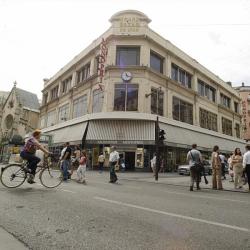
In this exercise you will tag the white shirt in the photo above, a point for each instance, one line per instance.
(195, 157)
(153, 162)
(114, 156)
(62, 152)
(222, 158)
(246, 159)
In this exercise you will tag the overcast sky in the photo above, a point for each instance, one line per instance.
(38, 37)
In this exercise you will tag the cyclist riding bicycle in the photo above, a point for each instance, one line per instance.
(28, 153)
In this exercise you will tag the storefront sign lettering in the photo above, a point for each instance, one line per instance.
(129, 24)
(244, 114)
(102, 59)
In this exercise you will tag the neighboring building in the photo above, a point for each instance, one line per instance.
(3, 97)
(145, 76)
(244, 92)
(20, 116)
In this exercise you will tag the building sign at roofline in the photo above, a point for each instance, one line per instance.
(120, 142)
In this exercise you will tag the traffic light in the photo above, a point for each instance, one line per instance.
(161, 135)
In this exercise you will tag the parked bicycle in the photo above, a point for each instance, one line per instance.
(14, 175)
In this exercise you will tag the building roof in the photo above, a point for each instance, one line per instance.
(243, 88)
(27, 99)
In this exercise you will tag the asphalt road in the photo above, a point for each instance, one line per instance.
(128, 215)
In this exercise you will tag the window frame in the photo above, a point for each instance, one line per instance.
(161, 61)
(181, 76)
(182, 114)
(125, 86)
(64, 108)
(227, 126)
(208, 120)
(158, 110)
(120, 49)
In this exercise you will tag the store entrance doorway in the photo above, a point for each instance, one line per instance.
(130, 160)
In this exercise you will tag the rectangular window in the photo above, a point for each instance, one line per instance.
(180, 75)
(98, 96)
(157, 100)
(227, 126)
(127, 56)
(66, 84)
(63, 114)
(156, 62)
(126, 97)
(182, 111)
(225, 101)
(54, 93)
(208, 120)
(45, 98)
(83, 73)
(236, 107)
(51, 120)
(206, 90)
(237, 130)
(80, 106)
(42, 122)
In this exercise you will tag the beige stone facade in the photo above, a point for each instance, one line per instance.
(244, 92)
(166, 82)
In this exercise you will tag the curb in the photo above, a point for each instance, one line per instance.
(9, 241)
(183, 185)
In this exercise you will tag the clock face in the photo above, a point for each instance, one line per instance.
(126, 76)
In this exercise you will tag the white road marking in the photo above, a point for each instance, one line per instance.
(206, 197)
(174, 215)
(69, 191)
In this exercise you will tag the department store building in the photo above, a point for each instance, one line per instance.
(121, 82)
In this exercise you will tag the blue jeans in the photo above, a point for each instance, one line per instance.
(32, 161)
(65, 168)
(101, 166)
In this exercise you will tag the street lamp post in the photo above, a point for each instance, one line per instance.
(157, 152)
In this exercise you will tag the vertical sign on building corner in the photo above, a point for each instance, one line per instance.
(101, 61)
(244, 114)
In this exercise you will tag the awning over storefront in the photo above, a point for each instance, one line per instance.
(72, 133)
(121, 132)
(183, 138)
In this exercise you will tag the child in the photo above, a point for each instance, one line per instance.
(82, 168)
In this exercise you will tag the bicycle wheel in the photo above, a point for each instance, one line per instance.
(51, 177)
(12, 176)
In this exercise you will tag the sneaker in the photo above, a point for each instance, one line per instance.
(31, 181)
(191, 188)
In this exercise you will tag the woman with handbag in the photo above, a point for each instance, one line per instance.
(216, 166)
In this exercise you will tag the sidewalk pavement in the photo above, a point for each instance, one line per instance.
(9, 242)
(179, 180)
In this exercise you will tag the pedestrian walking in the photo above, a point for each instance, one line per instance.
(194, 158)
(223, 165)
(246, 164)
(153, 163)
(75, 159)
(101, 160)
(237, 163)
(122, 163)
(216, 167)
(230, 166)
(65, 159)
(113, 160)
(81, 170)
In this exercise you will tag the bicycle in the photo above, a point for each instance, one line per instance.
(15, 174)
